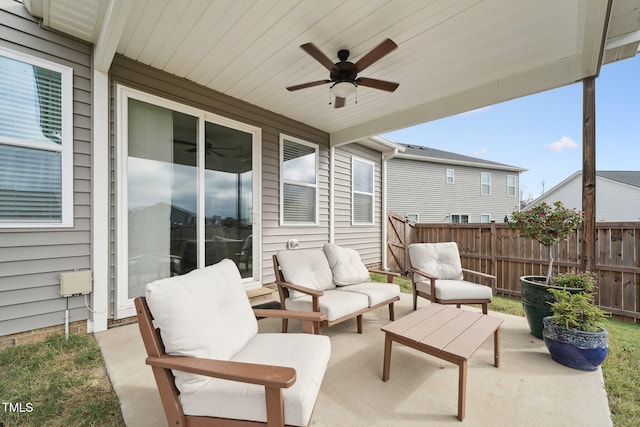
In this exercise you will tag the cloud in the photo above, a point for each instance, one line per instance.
(481, 152)
(562, 144)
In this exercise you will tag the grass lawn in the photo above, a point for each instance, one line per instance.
(65, 384)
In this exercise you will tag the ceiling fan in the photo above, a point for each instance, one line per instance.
(344, 74)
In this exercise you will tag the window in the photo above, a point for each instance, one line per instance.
(485, 218)
(36, 147)
(362, 191)
(458, 218)
(298, 182)
(485, 183)
(450, 176)
(413, 217)
(511, 185)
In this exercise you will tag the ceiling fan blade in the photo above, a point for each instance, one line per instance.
(339, 102)
(375, 54)
(377, 84)
(306, 85)
(317, 54)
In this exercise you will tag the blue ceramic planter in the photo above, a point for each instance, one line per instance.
(575, 349)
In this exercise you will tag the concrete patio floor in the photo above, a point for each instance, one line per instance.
(528, 389)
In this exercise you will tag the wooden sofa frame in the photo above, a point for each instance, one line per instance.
(457, 302)
(284, 288)
(273, 378)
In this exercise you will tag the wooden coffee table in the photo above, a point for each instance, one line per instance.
(446, 332)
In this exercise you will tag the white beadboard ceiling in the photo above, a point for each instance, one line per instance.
(452, 56)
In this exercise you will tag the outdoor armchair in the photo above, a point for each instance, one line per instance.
(211, 365)
(437, 275)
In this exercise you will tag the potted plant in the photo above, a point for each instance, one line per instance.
(574, 334)
(548, 225)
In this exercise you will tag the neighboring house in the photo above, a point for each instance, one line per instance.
(617, 195)
(140, 139)
(430, 185)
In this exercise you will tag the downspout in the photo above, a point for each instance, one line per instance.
(385, 156)
(332, 154)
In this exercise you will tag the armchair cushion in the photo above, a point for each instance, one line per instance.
(307, 354)
(306, 267)
(195, 313)
(455, 290)
(441, 260)
(334, 303)
(346, 265)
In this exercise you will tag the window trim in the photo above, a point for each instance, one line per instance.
(417, 216)
(451, 215)
(65, 148)
(452, 176)
(316, 186)
(485, 215)
(483, 184)
(514, 186)
(354, 192)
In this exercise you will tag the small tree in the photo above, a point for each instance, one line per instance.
(548, 225)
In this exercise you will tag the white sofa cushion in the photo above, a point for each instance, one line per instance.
(455, 290)
(196, 313)
(334, 303)
(307, 354)
(306, 267)
(438, 259)
(346, 265)
(376, 292)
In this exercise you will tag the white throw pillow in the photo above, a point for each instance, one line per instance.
(346, 265)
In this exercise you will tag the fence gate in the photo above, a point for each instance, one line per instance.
(400, 233)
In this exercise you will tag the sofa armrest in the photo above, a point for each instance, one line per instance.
(303, 289)
(423, 273)
(252, 373)
(310, 319)
(478, 273)
(390, 274)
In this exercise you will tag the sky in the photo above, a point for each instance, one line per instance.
(543, 132)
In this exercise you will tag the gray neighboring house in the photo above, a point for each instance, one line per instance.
(617, 195)
(436, 186)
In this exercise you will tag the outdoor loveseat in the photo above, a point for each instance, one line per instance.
(333, 281)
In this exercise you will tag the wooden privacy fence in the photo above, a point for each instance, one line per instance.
(497, 249)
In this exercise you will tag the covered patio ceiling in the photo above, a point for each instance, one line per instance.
(452, 56)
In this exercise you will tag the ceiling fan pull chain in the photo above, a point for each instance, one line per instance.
(329, 96)
(356, 94)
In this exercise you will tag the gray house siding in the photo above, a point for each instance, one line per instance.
(420, 187)
(31, 260)
(366, 239)
(274, 237)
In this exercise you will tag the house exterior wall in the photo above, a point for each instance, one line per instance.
(415, 186)
(615, 201)
(366, 239)
(132, 74)
(31, 259)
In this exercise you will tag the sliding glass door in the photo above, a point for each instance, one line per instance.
(187, 193)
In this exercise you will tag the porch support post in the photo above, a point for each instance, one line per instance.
(588, 244)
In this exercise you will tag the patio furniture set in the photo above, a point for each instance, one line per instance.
(212, 367)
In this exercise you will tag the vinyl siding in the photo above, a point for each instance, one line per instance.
(32, 259)
(615, 201)
(420, 187)
(274, 237)
(366, 239)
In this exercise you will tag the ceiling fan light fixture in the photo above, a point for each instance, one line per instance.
(343, 89)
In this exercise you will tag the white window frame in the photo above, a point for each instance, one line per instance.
(450, 176)
(483, 216)
(413, 216)
(66, 148)
(484, 184)
(459, 215)
(514, 186)
(315, 186)
(355, 159)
